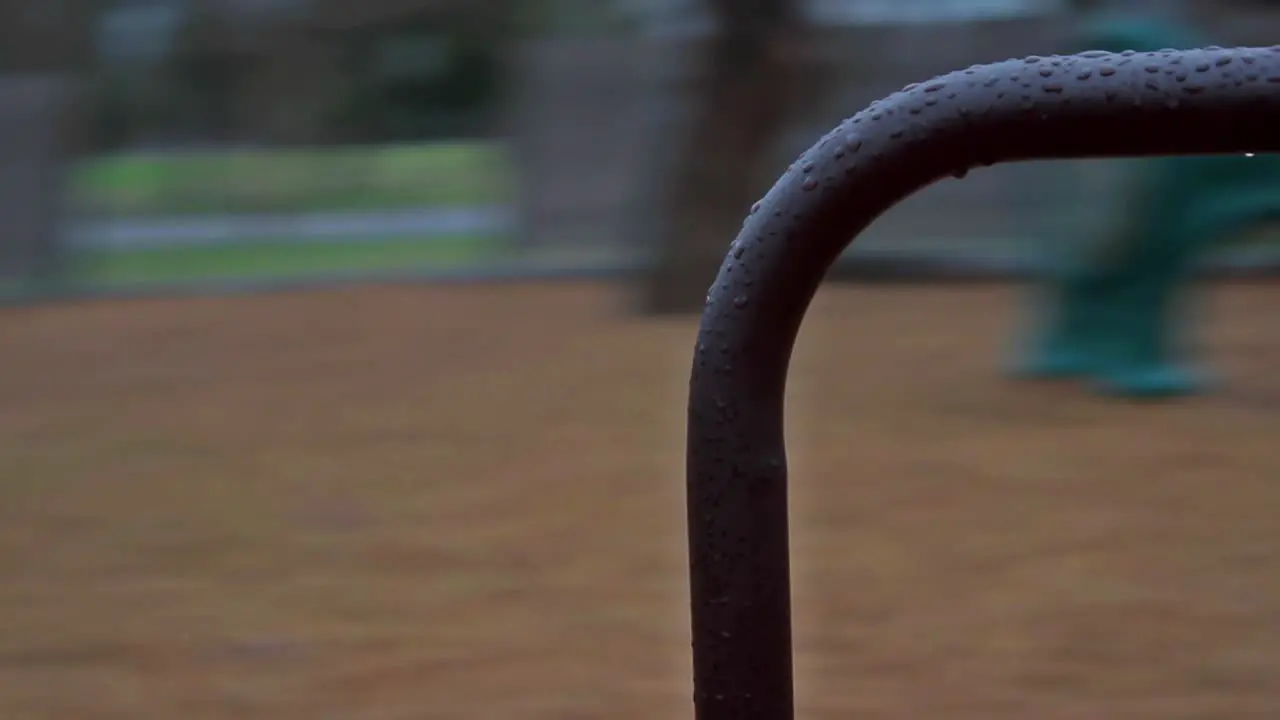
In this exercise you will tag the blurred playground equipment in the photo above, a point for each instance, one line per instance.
(1112, 305)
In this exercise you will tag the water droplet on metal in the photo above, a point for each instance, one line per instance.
(809, 183)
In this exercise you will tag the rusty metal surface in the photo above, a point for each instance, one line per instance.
(1207, 101)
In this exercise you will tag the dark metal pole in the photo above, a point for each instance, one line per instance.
(1209, 101)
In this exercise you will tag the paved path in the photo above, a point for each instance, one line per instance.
(142, 233)
(963, 255)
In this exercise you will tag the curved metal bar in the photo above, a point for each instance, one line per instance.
(1204, 101)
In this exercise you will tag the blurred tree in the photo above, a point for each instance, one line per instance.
(45, 36)
(411, 69)
(754, 71)
(205, 73)
(290, 72)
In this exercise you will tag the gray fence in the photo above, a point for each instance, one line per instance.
(597, 116)
(591, 128)
(35, 116)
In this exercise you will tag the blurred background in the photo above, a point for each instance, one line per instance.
(201, 143)
(274, 442)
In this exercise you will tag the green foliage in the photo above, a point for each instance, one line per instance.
(427, 76)
(279, 259)
(395, 176)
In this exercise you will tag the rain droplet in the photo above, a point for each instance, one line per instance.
(1052, 87)
(809, 183)
(1106, 71)
(741, 301)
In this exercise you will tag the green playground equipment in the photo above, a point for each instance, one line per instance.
(1113, 309)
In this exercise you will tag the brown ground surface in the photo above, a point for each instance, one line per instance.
(467, 503)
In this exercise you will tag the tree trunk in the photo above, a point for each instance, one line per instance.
(752, 78)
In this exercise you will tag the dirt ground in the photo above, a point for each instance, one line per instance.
(467, 502)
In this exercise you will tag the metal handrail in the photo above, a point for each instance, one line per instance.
(1094, 104)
